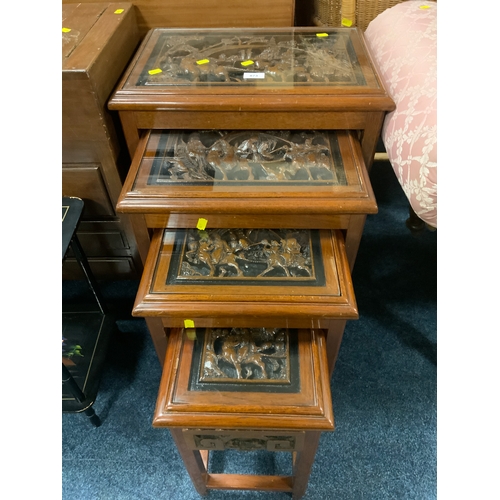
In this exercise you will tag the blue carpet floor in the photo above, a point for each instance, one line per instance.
(383, 390)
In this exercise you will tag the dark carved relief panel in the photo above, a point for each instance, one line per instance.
(243, 441)
(232, 58)
(248, 158)
(246, 354)
(245, 359)
(247, 256)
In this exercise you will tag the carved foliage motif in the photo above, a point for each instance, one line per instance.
(232, 58)
(248, 156)
(247, 254)
(246, 354)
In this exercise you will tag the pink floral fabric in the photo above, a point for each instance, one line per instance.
(403, 43)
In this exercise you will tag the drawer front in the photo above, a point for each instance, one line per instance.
(212, 439)
(85, 181)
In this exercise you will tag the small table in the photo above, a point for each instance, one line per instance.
(270, 401)
(85, 330)
(251, 78)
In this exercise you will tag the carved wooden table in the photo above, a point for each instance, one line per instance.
(278, 399)
(250, 150)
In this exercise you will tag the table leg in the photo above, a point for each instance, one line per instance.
(141, 233)
(371, 136)
(130, 131)
(333, 341)
(155, 325)
(69, 382)
(84, 264)
(353, 237)
(193, 461)
(159, 337)
(302, 465)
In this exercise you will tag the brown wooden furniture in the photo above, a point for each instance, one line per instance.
(284, 190)
(277, 400)
(250, 150)
(311, 289)
(155, 101)
(98, 39)
(209, 13)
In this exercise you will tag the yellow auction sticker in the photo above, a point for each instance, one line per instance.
(203, 61)
(66, 30)
(321, 35)
(424, 7)
(247, 63)
(202, 224)
(119, 11)
(188, 323)
(346, 22)
(154, 71)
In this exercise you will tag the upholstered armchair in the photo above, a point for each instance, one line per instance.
(402, 38)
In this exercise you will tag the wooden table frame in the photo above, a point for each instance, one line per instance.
(196, 463)
(311, 416)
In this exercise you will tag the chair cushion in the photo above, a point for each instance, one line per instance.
(403, 43)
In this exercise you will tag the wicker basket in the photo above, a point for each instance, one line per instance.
(327, 12)
(349, 12)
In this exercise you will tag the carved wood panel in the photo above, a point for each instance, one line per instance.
(211, 439)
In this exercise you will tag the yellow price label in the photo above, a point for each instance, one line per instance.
(347, 23)
(203, 61)
(154, 71)
(119, 11)
(246, 63)
(66, 30)
(202, 224)
(321, 35)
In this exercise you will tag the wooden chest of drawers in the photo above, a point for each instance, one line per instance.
(98, 41)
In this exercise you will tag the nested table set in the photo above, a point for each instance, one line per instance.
(250, 150)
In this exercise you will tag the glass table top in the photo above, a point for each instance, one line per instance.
(252, 58)
(247, 171)
(259, 164)
(241, 159)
